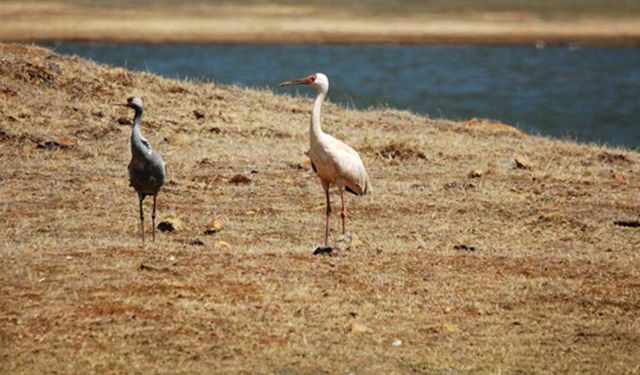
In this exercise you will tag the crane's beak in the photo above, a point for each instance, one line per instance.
(120, 104)
(299, 81)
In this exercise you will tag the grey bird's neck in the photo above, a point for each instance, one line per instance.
(138, 149)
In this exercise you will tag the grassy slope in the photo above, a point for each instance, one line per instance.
(553, 285)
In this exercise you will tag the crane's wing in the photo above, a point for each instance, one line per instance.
(349, 165)
(146, 144)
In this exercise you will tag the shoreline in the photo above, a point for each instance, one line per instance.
(498, 41)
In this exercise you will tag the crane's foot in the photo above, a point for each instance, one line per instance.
(344, 242)
(323, 251)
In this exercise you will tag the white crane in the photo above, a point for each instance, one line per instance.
(334, 162)
(146, 169)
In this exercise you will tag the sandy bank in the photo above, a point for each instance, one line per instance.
(211, 24)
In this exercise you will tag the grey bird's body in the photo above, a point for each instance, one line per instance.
(146, 169)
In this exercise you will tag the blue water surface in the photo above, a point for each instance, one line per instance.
(590, 94)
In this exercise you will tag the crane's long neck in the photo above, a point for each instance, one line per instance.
(137, 147)
(315, 129)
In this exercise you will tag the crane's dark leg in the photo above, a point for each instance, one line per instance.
(141, 198)
(153, 217)
(326, 249)
(328, 212)
(343, 213)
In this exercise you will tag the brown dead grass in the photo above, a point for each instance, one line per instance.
(468, 22)
(551, 287)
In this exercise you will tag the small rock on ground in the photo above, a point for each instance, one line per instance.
(198, 114)
(522, 163)
(196, 242)
(214, 226)
(240, 179)
(171, 224)
(359, 328)
(463, 247)
(323, 251)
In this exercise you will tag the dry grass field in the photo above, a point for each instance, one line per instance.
(364, 21)
(514, 270)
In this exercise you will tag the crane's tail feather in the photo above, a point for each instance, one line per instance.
(366, 190)
(347, 188)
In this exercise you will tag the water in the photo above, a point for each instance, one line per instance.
(586, 94)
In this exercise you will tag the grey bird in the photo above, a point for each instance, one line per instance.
(146, 169)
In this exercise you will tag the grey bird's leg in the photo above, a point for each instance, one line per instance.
(141, 197)
(343, 213)
(153, 217)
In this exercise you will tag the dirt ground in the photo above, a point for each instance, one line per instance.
(370, 21)
(464, 261)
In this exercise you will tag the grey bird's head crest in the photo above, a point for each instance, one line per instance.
(135, 103)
